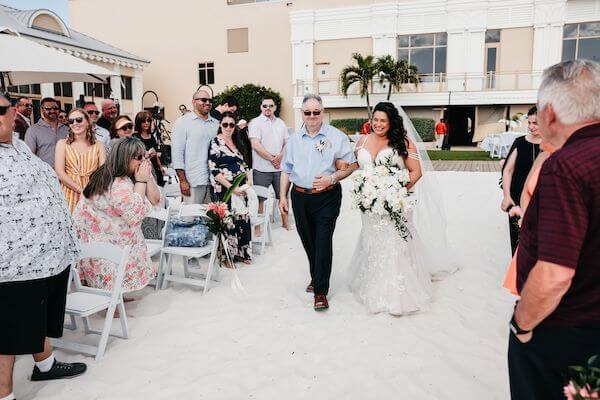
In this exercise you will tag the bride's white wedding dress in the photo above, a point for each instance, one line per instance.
(388, 273)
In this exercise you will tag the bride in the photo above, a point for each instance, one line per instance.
(390, 273)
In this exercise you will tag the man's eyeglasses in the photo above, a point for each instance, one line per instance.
(309, 113)
(204, 99)
(228, 125)
(125, 127)
(48, 109)
(4, 110)
(93, 112)
(268, 105)
(71, 121)
(27, 105)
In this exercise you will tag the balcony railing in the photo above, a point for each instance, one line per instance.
(433, 83)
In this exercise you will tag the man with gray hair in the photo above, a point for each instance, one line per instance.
(109, 114)
(556, 324)
(190, 142)
(309, 163)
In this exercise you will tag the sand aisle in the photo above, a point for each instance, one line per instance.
(270, 344)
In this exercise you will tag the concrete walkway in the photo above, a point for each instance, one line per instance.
(467, 166)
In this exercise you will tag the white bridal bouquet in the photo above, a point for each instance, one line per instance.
(381, 190)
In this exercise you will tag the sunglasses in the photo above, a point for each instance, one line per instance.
(55, 108)
(93, 112)
(147, 120)
(139, 158)
(268, 105)
(27, 105)
(4, 109)
(228, 125)
(204, 99)
(309, 113)
(125, 127)
(71, 121)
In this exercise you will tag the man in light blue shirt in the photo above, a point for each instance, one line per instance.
(190, 142)
(309, 163)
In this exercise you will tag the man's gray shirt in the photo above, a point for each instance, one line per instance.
(189, 146)
(42, 138)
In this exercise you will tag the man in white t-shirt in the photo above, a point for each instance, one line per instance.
(268, 135)
(102, 135)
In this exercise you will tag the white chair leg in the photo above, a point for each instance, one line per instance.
(168, 272)
(159, 273)
(73, 325)
(211, 264)
(86, 325)
(110, 313)
(123, 318)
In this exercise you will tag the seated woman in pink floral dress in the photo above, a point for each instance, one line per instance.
(114, 203)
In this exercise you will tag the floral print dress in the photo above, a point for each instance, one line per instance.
(230, 163)
(115, 217)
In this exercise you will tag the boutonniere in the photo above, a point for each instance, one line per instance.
(322, 145)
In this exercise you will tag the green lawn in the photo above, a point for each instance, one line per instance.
(473, 155)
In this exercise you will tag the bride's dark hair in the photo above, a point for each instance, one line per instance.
(396, 135)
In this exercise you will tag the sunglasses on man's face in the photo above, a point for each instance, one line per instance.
(48, 109)
(71, 121)
(309, 113)
(204, 99)
(228, 125)
(93, 112)
(125, 127)
(268, 105)
(4, 110)
(27, 105)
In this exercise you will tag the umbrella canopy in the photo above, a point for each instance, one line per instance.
(24, 62)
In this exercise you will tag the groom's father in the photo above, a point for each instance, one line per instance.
(309, 163)
(557, 322)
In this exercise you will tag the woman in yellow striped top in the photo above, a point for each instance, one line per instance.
(77, 156)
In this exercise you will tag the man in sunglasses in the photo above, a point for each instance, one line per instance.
(38, 245)
(268, 135)
(190, 141)
(23, 117)
(43, 136)
(309, 163)
(228, 104)
(102, 135)
(109, 113)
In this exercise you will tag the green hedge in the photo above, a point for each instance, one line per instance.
(425, 126)
(249, 96)
(349, 126)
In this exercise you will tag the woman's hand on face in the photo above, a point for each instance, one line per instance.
(151, 153)
(144, 172)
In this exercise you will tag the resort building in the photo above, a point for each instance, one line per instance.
(478, 61)
(47, 28)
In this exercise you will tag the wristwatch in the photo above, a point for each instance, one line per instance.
(333, 180)
(515, 328)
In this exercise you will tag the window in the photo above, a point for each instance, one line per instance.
(492, 56)
(237, 40)
(63, 89)
(101, 90)
(427, 52)
(581, 41)
(126, 88)
(25, 89)
(206, 73)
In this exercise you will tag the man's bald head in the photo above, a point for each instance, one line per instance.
(202, 103)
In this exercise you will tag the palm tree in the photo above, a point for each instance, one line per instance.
(396, 73)
(362, 73)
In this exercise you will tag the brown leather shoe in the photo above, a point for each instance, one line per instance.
(321, 303)
(310, 288)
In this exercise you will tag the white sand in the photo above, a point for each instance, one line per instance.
(270, 344)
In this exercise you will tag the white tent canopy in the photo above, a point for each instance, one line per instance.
(24, 61)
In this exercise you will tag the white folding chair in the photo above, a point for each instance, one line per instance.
(167, 254)
(263, 220)
(85, 301)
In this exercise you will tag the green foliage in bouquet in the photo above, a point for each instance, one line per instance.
(585, 383)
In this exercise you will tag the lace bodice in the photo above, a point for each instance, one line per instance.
(364, 157)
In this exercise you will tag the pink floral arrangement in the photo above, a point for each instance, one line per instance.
(218, 208)
(585, 385)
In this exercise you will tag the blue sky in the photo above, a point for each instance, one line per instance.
(60, 7)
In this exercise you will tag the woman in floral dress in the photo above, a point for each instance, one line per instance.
(114, 203)
(225, 163)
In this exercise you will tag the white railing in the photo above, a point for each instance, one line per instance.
(433, 83)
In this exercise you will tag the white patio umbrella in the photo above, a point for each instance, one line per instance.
(24, 61)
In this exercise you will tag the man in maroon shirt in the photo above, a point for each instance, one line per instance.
(556, 324)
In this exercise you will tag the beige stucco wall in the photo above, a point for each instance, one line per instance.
(177, 36)
(331, 56)
(516, 49)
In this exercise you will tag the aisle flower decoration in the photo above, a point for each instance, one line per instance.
(382, 190)
(585, 384)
